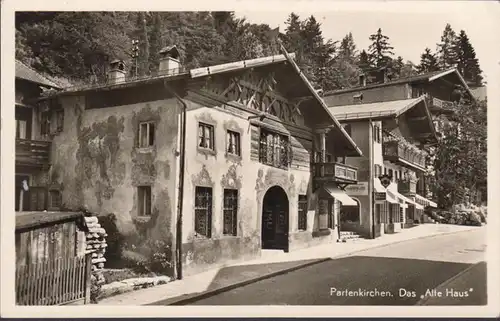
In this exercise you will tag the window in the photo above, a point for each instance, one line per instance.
(358, 98)
(230, 212)
(395, 176)
(385, 171)
(376, 133)
(206, 136)
(274, 149)
(45, 124)
(378, 170)
(329, 158)
(60, 120)
(302, 213)
(233, 143)
(144, 193)
(55, 199)
(203, 211)
(21, 128)
(146, 134)
(390, 174)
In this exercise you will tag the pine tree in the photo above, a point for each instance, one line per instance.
(347, 49)
(380, 50)
(155, 43)
(428, 62)
(365, 64)
(468, 64)
(142, 32)
(447, 49)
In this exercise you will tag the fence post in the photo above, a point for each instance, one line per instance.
(88, 272)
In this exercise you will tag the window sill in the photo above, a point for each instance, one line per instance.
(206, 151)
(141, 219)
(144, 150)
(233, 157)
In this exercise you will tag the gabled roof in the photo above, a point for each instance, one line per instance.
(426, 77)
(27, 73)
(387, 110)
(374, 110)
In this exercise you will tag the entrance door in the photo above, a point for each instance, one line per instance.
(275, 219)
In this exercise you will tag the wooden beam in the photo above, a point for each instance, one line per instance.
(417, 118)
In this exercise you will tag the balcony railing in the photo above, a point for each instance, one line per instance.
(335, 172)
(32, 152)
(400, 152)
(407, 187)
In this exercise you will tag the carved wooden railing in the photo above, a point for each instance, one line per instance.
(335, 172)
(32, 152)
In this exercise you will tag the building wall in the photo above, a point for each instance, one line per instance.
(97, 165)
(361, 134)
(251, 178)
(387, 93)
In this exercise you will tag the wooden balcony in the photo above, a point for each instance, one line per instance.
(407, 187)
(399, 153)
(335, 172)
(32, 153)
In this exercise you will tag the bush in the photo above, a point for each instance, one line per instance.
(152, 256)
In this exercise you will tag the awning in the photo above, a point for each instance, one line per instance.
(389, 195)
(410, 201)
(340, 195)
(424, 201)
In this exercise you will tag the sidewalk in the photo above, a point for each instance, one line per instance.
(269, 264)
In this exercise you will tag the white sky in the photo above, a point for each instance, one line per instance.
(410, 29)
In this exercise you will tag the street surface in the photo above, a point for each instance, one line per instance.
(422, 271)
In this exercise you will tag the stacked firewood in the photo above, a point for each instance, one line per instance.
(96, 246)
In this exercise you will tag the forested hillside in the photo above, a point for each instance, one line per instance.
(76, 47)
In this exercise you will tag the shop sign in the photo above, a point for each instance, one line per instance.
(380, 196)
(357, 189)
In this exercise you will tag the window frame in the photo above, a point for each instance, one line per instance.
(236, 136)
(211, 139)
(200, 207)
(302, 209)
(144, 200)
(230, 211)
(148, 125)
(280, 148)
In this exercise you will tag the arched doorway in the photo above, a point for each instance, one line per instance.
(275, 219)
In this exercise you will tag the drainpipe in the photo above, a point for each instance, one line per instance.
(371, 178)
(178, 236)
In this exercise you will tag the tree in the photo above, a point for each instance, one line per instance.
(347, 49)
(428, 62)
(380, 50)
(447, 49)
(468, 64)
(461, 159)
(365, 63)
(142, 35)
(155, 43)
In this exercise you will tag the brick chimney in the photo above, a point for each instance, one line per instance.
(169, 61)
(117, 72)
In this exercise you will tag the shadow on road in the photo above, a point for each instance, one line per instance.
(355, 280)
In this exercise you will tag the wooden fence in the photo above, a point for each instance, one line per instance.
(54, 281)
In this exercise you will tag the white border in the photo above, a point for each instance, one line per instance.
(485, 13)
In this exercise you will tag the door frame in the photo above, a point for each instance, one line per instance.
(280, 242)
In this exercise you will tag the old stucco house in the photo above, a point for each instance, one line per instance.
(396, 124)
(221, 162)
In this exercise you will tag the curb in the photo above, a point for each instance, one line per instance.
(199, 296)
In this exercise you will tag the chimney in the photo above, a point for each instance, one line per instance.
(362, 80)
(117, 72)
(169, 61)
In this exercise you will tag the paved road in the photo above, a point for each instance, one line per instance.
(408, 273)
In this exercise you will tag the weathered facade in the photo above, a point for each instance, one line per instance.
(395, 124)
(258, 152)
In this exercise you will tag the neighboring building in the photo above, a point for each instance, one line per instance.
(36, 125)
(395, 124)
(216, 161)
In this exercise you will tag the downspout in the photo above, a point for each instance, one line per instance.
(371, 178)
(178, 235)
